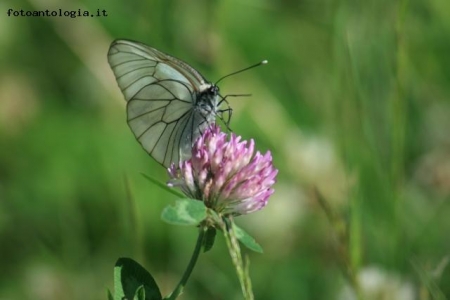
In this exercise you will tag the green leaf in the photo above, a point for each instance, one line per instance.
(185, 212)
(163, 186)
(129, 276)
(140, 293)
(110, 296)
(246, 239)
(210, 237)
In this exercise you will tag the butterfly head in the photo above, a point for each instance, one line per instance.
(207, 98)
(213, 90)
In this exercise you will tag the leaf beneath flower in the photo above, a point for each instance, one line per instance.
(210, 237)
(185, 212)
(246, 239)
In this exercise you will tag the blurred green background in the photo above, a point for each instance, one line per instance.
(354, 103)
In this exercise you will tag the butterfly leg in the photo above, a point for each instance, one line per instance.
(228, 110)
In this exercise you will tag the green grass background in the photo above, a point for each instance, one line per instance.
(354, 103)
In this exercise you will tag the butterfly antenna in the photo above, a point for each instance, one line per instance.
(248, 68)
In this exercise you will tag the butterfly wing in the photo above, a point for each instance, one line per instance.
(160, 91)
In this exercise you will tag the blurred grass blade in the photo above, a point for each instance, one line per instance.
(428, 282)
(163, 186)
(133, 232)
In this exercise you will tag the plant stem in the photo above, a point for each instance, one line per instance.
(242, 269)
(179, 289)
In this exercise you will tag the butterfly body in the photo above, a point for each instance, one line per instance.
(207, 100)
(169, 103)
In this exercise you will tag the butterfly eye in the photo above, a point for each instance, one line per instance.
(214, 90)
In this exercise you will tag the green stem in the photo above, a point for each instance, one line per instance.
(179, 289)
(236, 257)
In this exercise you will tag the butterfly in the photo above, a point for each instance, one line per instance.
(169, 103)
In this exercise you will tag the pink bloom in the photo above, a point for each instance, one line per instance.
(225, 174)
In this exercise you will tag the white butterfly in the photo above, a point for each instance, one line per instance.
(169, 103)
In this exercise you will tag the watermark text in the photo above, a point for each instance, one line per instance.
(56, 13)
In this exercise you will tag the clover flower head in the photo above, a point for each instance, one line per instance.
(225, 173)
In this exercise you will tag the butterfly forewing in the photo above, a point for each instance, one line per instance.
(161, 93)
(135, 55)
